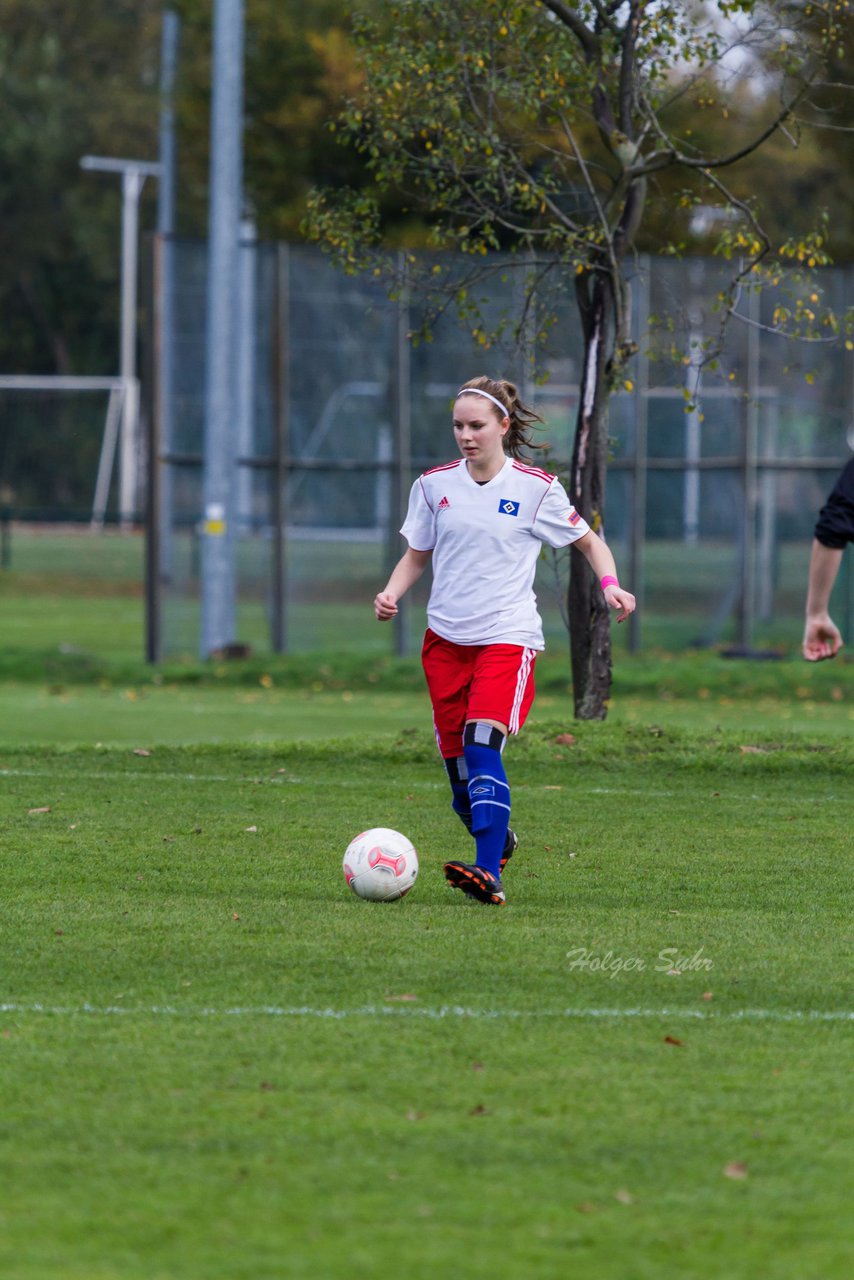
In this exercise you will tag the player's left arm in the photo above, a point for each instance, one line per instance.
(598, 555)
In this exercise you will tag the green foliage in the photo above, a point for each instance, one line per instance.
(542, 130)
(85, 79)
(72, 83)
(560, 133)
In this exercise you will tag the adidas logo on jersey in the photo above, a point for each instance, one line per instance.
(444, 504)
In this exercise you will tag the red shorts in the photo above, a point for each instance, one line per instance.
(476, 682)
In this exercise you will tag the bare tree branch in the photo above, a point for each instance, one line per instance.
(588, 39)
(670, 155)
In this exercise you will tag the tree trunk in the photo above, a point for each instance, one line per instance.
(589, 623)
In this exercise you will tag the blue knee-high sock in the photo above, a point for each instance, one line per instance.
(458, 776)
(489, 793)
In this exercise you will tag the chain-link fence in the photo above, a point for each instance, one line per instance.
(711, 498)
(714, 482)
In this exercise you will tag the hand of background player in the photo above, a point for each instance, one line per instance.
(385, 607)
(618, 598)
(821, 639)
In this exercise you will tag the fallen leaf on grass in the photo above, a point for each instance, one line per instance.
(406, 995)
(673, 1040)
(416, 1115)
(565, 739)
(707, 995)
(753, 751)
(141, 751)
(585, 1207)
(45, 808)
(477, 1066)
(250, 828)
(624, 1197)
(735, 1169)
(479, 1110)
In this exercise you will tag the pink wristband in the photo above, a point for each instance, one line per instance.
(609, 581)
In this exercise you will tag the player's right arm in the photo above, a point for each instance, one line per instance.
(821, 635)
(406, 572)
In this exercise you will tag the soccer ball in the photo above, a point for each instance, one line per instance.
(380, 865)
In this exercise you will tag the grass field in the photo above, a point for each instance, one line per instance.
(331, 584)
(217, 1063)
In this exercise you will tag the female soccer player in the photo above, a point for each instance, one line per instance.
(482, 520)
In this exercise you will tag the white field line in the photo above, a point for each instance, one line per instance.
(124, 774)
(449, 1012)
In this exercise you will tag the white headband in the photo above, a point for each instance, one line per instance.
(476, 391)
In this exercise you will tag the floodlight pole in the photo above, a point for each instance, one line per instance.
(219, 543)
(134, 173)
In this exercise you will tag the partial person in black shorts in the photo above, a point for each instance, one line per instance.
(833, 531)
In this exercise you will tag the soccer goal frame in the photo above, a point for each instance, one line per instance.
(122, 412)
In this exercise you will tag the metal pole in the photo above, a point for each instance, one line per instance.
(639, 462)
(693, 448)
(165, 299)
(134, 173)
(279, 594)
(848, 284)
(245, 371)
(132, 181)
(169, 38)
(5, 538)
(154, 507)
(767, 504)
(401, 471)
(105, 463)
(219, 577)
(749, 474)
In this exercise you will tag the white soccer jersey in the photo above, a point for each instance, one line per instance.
(485, 540)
